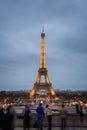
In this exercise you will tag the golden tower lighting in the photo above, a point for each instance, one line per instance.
(38, 85)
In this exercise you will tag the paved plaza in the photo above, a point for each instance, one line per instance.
(73, 123)
(57, 128)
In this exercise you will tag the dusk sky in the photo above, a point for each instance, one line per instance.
(65, 26)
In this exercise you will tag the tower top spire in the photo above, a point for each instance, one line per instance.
(42, 28)
(42, 34)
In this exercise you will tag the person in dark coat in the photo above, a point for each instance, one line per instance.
(27, 113)
(79, 110)
(12, 112)
(2, 118)
(8, 119)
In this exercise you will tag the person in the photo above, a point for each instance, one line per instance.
(12, 112)
(40, 114)
(48, 113)
(63, 114)
(8, 119)
(26, 120)
(80, 111)
(2, 118)
(77, 108)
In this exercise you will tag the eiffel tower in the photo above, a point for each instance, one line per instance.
(42, 72)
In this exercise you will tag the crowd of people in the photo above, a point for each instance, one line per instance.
(47, 113)
(7, 118)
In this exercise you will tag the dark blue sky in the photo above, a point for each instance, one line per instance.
(65, 25)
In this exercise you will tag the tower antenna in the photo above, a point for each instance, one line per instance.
(42, 28)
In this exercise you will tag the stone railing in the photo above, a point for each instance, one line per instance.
(73, 120)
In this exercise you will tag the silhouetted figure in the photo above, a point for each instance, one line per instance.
(8, 119)
(79, 110)
(12, 112)
(63, 114)
(27, 117)
(48, 113)
(2, 118)
(40, 114)
(81, 113)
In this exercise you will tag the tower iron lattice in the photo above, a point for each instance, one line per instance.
(42, 72)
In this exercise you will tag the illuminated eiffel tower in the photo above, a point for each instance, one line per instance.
(42, 72)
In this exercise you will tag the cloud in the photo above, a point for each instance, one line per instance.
(65, 26)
